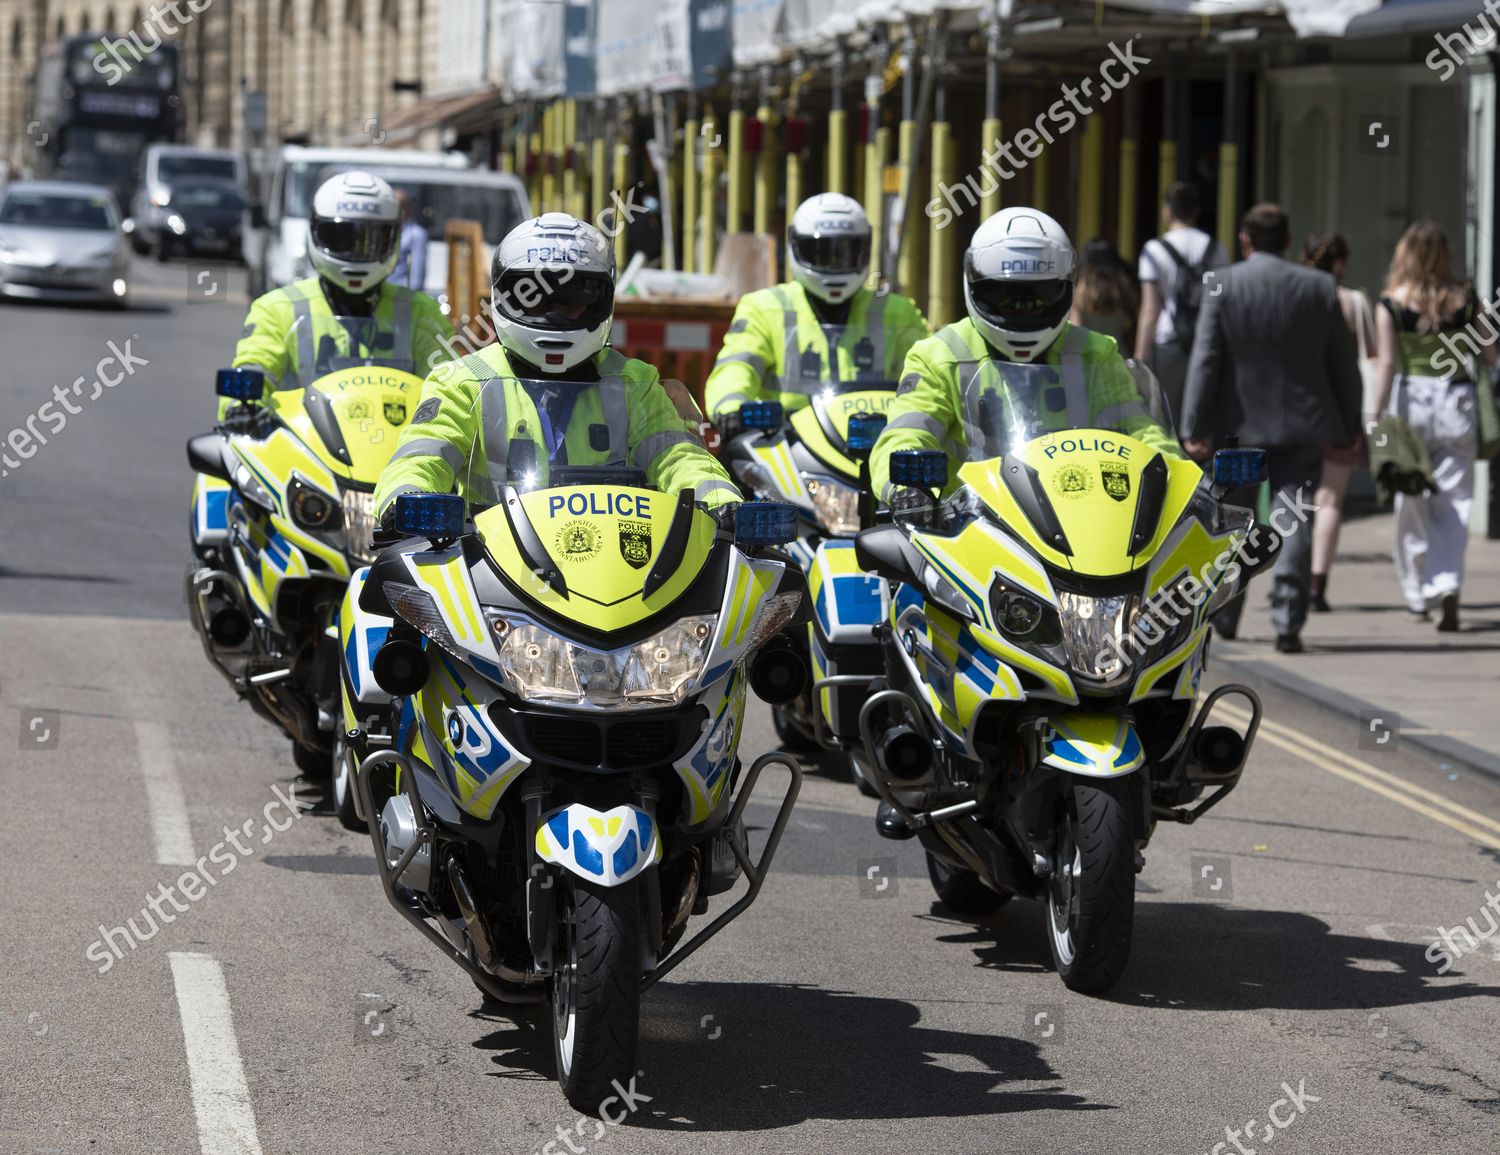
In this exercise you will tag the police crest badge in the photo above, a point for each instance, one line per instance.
(395, 412)
(1116, 479)
(635, 543)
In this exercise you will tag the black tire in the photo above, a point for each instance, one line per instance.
(960, 890)
(1091, 897)
(341, 789)
(596, 990)
(310, 760)
(789, 734)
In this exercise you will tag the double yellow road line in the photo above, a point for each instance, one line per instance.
(1470, 823)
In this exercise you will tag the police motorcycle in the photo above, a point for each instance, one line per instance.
(1045, 639)
(545, 686)
(282, 512)
(817, 461)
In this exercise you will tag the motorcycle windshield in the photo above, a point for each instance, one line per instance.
(823, 425)
(1006, 406)
(563, 511)
(327, 343)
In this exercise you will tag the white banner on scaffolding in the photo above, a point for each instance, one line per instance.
(533, 47)
(1307, 17)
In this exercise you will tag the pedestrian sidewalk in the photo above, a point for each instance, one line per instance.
(1365, 658)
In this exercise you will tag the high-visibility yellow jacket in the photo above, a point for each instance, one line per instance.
(928, 411)
(625, 418)
(290, 333)
(778, 350)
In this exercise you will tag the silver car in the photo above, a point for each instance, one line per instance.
(61, 241)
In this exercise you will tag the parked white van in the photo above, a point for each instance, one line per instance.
(497, 200)
(275, 239)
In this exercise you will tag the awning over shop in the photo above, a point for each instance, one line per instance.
(469, 111)
(1307, 17)
(1414, 17)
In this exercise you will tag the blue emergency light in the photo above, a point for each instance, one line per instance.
(240, 384)
(864, 428)
(920, 468)
(435, 515)
(765, 522)
(1234, 468)
(761, 415)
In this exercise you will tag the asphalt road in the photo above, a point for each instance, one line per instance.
(290, 1004)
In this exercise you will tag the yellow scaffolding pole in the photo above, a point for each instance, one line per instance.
(690, 194)
(573, 194)
(765, 170)
(735, 215)
(793, 181)
(1090, 180)
(874, 171)
(710, 188)
(941, 242)
(549, 159)
(908, 257)
(1229, 181)
(598, 175)
(1166, 167)
(838, 149)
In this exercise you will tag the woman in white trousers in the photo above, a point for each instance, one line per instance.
(1426, 316)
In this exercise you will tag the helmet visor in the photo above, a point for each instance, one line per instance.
(1021, 306)
(833, 254)
(363, 242)
(542, 299)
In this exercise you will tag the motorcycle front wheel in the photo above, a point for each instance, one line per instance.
(343, 786)
(596, 989)
(1091, 896)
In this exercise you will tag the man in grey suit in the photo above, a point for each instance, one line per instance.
(1273, 366)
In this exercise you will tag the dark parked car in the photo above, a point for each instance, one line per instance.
(201, 218)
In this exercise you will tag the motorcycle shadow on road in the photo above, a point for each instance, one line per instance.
(758, 1056)
(1207, 957)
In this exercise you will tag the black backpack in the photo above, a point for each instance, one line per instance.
(1187, 295)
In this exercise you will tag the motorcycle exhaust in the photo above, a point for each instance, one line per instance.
(904, 754)
(778, 674)
(1220, 750)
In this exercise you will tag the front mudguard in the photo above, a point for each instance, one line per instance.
(605, 847)
(1093, 745)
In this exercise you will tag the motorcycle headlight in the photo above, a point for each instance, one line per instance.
(311, 508)
(756, 479)
(359, 524)
(539, 666)
(1094, 636)
(837, 503)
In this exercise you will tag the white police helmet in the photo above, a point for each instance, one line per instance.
(552, 291)
(354, 231)
(1018, 281)
(828, 246)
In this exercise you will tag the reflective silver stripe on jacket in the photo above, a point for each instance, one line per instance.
(1074, 384)
(713, 485)
(395, 493)
(401, 310)
(612, 400)
(921, 421)
(791, 352)
(754, 360)
(648, 449)
(302, 323)
(729, 405)
(875, 330)
(496, 432)
(434, 447)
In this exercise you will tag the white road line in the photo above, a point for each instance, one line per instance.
(221, 1100)
(169, 821)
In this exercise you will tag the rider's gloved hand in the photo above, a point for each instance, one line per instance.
(729, 427)
(385, 532)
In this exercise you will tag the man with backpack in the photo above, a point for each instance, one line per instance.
(1171, 275)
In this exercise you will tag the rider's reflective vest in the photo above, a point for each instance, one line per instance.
(778, 349)
(928, 411)
(475, 414)
(291, 334)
